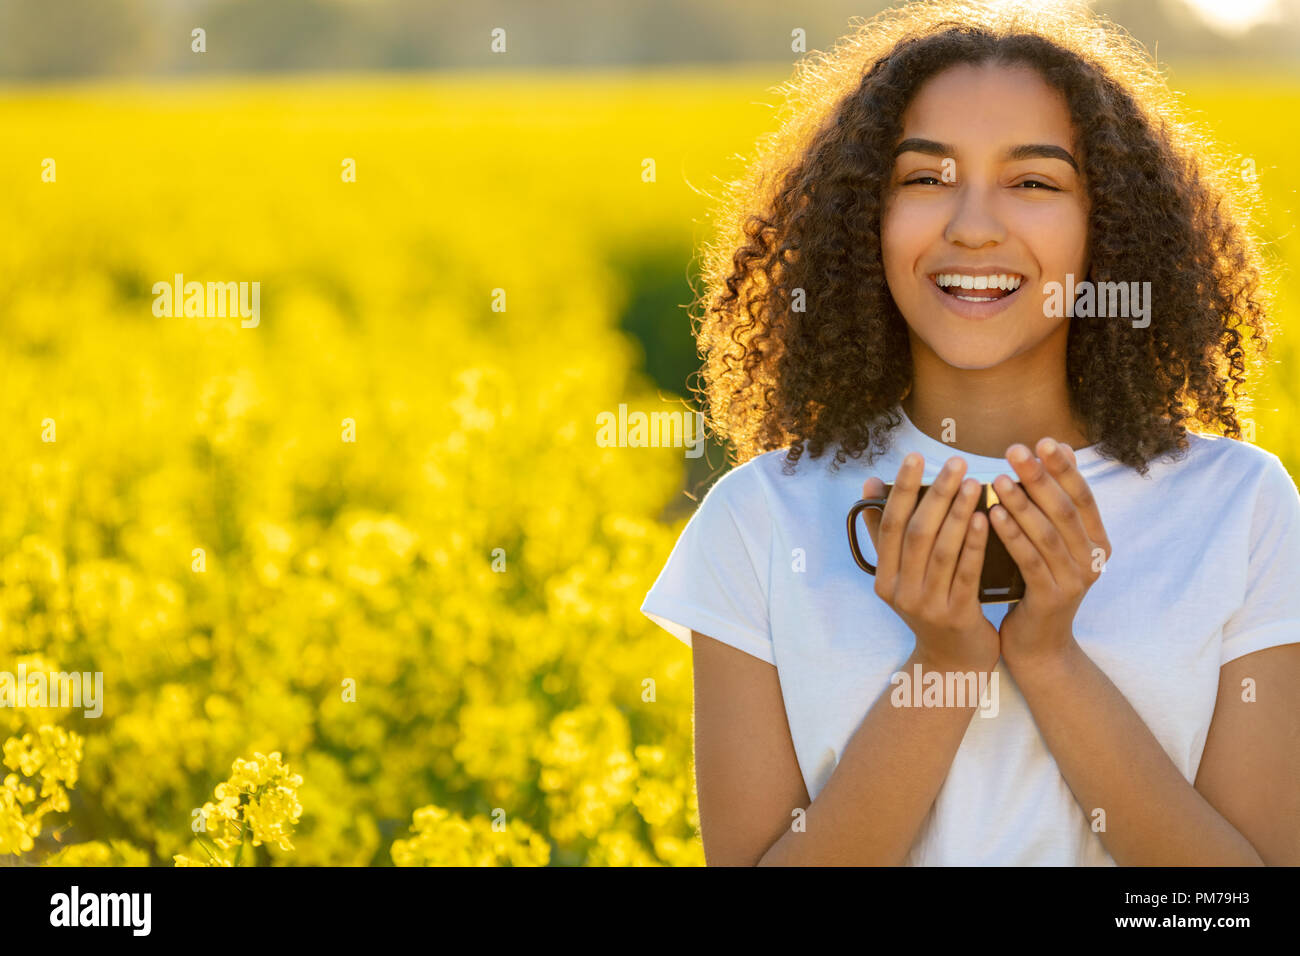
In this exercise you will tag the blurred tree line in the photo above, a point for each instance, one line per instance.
(62, 38)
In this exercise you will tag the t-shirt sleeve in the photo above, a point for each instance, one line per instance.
(716, 578)
(1270, 613)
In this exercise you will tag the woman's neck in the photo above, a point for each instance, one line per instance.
(986, 421)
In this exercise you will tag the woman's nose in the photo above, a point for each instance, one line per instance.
(974, 222)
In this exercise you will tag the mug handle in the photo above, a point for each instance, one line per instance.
(861, 506)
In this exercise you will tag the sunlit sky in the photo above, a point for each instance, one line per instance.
(1233, 15)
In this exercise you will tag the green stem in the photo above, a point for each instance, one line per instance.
(242, 842)
(204, 847)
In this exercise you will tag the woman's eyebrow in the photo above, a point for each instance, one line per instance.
(1026, 151)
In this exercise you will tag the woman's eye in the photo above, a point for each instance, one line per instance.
(929, 180)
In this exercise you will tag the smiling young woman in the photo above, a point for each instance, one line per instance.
(882, 289)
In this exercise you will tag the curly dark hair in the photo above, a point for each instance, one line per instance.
(806, 215)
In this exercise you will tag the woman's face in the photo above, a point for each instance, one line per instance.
(984, 186)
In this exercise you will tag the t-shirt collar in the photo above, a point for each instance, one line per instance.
(909, 438)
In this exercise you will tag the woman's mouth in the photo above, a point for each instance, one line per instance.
(977, 288)
(977, 296)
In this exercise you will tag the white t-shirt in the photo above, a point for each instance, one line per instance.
(1205, 568)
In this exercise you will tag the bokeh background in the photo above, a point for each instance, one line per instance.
(422, 646)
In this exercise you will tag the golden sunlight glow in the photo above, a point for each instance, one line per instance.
(1234, 16)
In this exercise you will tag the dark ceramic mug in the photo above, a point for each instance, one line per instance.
(1000, 579)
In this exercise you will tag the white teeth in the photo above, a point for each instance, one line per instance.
(1000, 281)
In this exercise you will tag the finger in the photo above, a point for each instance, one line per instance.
(1066, 472)
(1052, 500)
(918, 539)
(948, 542)
(1042, 534)
(966, 581)
(1031, 564)
(893, 521)
(872, 488)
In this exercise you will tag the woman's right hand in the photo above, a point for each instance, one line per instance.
(928, 562)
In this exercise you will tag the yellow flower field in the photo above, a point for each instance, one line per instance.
(362, 586)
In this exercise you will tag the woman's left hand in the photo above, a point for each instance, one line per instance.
(1055, 535)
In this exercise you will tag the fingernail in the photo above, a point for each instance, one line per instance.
(1049, 446)
(1018, 454)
